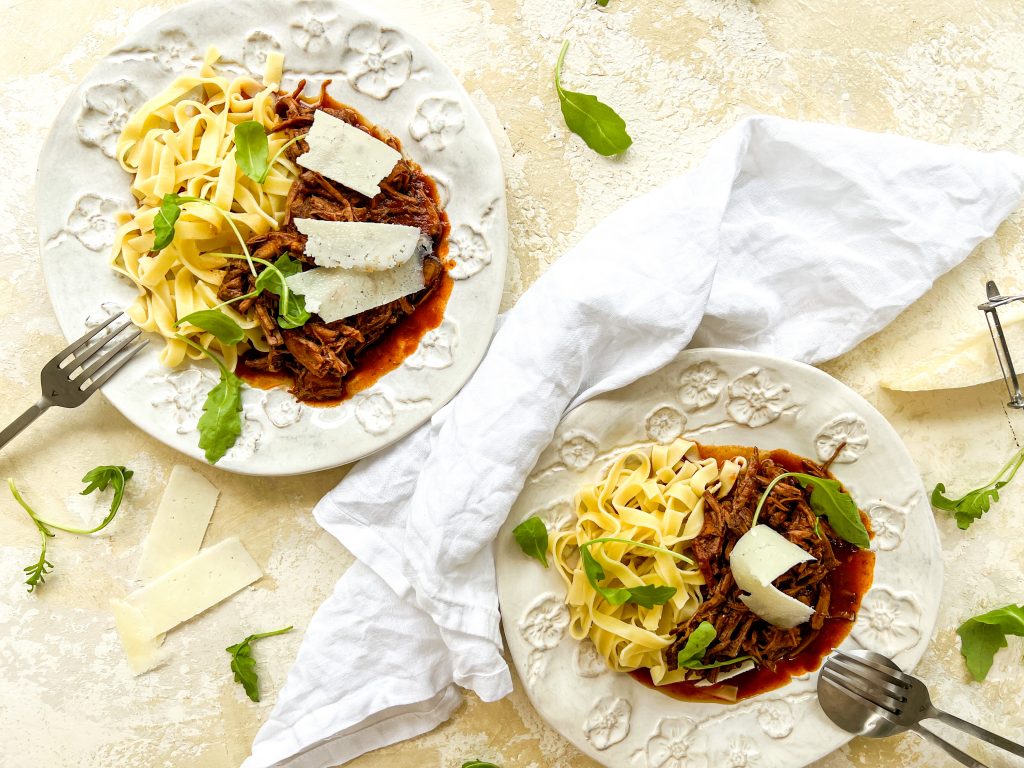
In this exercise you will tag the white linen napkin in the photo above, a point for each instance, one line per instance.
(792, 239)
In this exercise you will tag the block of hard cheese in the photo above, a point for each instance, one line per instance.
(180, 524)
(200, 583)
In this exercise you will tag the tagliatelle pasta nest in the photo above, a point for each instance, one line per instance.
(182, 140)
(650, 496)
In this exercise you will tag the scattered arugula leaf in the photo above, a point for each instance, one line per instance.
(252, 150)
(478, 764)
(973, 504)
(221, 422)
(96, 479)
(37, 571)
(692, 654)
(602, 3)
(828, 500)
(244, 665)
(592, 120)
(222, 326)
(646, 595)
(981, 636)
(532, 537)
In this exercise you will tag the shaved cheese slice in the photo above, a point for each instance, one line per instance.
(141, 643)
(180, 524)
(734, 671)
(347, 155)
(335, 293)
(213, 575)
(362, 245)
(759, 557)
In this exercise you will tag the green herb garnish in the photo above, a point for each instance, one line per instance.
(252, 150)
(478, 764)
(98, 478)
(827, 500)
(222, 326)
(646, 595)
(170, 210)
(532, 537)
(981, 636)
(973, 504)
(244, 665)
(594, 121)
(291, 309)
(692, 654)
(221, 422)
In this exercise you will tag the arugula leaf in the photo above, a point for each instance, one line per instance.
(163, 224)
(478, 764)
(692, 654)
(981, 636)
(244, 665)
(594, 121)
(221, 422)
(973, 504)
(291, 310)
(222, 326)
(602, 3)
(828, 500)
(97, 479)
(532, 537)
(37, 571)
(697, 644)
(645, 595)
(252, 150)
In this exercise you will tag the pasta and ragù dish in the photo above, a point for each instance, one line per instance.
(288, 236)
(713, 573)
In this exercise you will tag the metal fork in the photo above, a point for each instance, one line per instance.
(75, 373)
(896, 701)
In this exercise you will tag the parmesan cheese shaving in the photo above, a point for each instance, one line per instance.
(180, 524)
(335, 293)
(759, 557)
(360, 245)
(140, 641)
(347, 155)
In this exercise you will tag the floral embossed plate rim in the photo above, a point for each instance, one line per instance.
(381, 69)
(724, 397)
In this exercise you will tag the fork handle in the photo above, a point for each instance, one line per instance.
(976, 730)
(22, 421)
(957, 754)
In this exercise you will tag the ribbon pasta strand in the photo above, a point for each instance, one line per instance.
(655, 496)
(182, 141)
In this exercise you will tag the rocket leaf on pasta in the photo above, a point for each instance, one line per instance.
(645, 595)
(252, 150)
(223, 327)
(697, 644)
(163, 224)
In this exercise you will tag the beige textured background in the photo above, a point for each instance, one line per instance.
(680, 72)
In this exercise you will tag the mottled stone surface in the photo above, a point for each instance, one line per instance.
(680, 73)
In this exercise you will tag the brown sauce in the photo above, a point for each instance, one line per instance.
(850, 581)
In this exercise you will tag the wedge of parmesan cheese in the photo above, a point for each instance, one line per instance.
(180, 524)
(362, 245)
(196, 585)
(759, 557)
(347, 155)
(335, 293)
(140, 641)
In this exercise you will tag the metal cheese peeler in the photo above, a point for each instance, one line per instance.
(991, 310)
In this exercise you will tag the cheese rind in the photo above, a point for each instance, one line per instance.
(362, 245)
(335, 293)
(759, 557)
(200, 583)
(180, 524)
(141, 644)
(347, 155)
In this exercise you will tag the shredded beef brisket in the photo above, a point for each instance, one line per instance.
(320, 355)
(739, 631)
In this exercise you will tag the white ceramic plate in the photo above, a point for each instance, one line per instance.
(377, 67)
(718, 397)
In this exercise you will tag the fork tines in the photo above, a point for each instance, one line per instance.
(872, 685)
